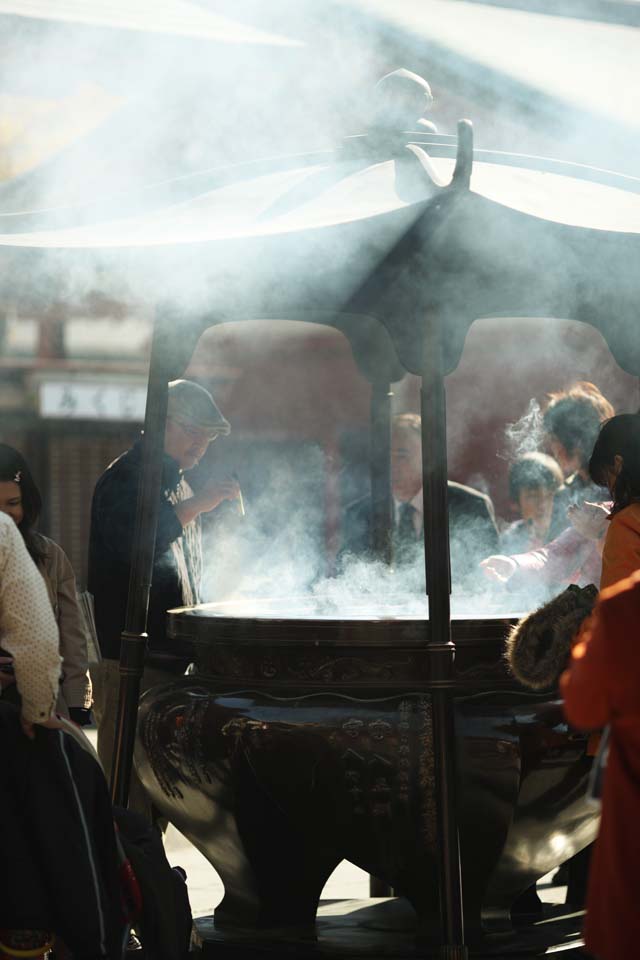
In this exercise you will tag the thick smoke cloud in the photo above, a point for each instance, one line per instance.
(171, 111)
(526, 434)
(278, 553)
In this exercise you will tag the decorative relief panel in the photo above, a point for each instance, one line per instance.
(426, 772)
(280, 665)
(174, 743)
(386, 757)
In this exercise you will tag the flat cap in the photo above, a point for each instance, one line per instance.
(191, 403)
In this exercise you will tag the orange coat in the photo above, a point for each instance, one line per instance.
(602, 685)
(621, 551)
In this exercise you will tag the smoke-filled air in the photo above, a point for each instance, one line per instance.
(210, 162)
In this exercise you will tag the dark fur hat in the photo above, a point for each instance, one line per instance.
(538, 646)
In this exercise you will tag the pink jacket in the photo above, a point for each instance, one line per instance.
(570, 558)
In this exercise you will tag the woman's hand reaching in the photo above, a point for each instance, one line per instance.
(499, 568)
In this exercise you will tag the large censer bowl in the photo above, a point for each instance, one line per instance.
(304, 737)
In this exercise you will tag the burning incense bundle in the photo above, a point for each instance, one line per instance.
(241, 509)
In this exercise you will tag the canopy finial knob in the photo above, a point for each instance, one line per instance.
(401, 100)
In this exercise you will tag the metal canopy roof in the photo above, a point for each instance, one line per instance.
(372, 230)
(323, 195)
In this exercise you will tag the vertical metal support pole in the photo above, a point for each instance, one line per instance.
(380, 464)
(381, 511)
(441, 647)
(331, 452)
(134, 636)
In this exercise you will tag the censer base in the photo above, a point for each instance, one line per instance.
(382, 929)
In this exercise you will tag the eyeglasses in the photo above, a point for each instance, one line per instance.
(194, 433)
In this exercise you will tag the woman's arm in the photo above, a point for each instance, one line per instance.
(76, 684)
(621, 552)
(554, 564)
(586, 684)
(603, 679)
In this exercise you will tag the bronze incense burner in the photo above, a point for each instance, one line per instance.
(301, 740)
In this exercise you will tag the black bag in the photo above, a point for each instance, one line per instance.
(164, 928)
(59, 856)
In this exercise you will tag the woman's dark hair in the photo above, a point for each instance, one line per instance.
(574, 417)
(14, 468)
(534, 469)
(618, 436)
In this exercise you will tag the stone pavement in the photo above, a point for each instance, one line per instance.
(205, 886)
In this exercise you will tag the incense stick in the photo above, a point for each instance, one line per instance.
(240, 499)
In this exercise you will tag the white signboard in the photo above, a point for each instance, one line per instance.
(92, 400)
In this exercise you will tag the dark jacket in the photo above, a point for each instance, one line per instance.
(59, 858)
(176, 571)
(472, 531)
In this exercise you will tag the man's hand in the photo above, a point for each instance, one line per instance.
(28, 728)
(499, 568)
(207, 499)
(589, 519)
(212, 495)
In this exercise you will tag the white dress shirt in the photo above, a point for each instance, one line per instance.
(418, 516)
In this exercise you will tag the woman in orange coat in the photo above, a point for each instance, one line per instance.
(602, 686)
(615, 463)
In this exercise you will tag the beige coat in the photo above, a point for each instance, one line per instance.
(28, 630)
(60, 580)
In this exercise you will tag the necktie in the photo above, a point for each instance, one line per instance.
(406, 527)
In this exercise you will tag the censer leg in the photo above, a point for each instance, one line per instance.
(378, 888)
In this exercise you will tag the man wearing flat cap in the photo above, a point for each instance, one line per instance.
(193, 422)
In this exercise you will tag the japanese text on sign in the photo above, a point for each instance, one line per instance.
(81, 400)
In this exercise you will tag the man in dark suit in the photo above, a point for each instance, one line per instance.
(472, 527)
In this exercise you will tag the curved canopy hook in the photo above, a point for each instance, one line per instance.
(464, 156)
